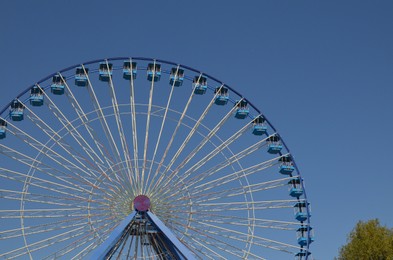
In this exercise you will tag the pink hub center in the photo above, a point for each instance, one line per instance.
(141, 203)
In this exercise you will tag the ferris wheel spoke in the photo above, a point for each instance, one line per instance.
(207, 138)
(273, 184)
(106, 129)
(70, 128)
(235, 192)
(235, 235)
(75, 245)
(104, 123)
(240, 236)
(184, 144)
(92, 235)
(48, 170)
(169, 145)
(56, 111)
(169, 177)
(217, 150)
(43, 229)
(44, 243)
(134, 126)
(200, 208)
(186, 237)
(118, 180)
(273, 204)
(47, 242)
(38, 245)
(84, 119)
(258, 222)
(218, 167)
(220, 244)
(83, 252)
(94, 137)
(235, 176)
(46, 227)
(46, 199)
(213, 153)
(195, 180)
(57, 158)
(54, 136)
(120, 129)
(207, 158)
(42, 183)
(267, 224)
(200, 145)
(239, 191)
(244, 224)
(147, 127)
(213, 252)
(45, 213)
(54, 156)
(161, 128)
(66, 201)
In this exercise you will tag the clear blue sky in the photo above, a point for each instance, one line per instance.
(322, 71)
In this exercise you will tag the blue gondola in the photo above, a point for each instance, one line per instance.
(81, 77)
(3, 127)
(105, 71)
(301, 211)
(199, 84)
(36, 96)
(242, 109)
(222, 96)
(286, 169)
(153, 72)
(274, 144)
(302, 234)
(177, 77)
(259, 129)
(259, 126)
(274, 148)
(58, 84)
(129, 68)
(16, 111)
(295, 188)
(286, 166)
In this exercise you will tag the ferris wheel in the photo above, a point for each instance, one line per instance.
(139, 158)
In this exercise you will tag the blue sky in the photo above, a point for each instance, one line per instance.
(322, 71)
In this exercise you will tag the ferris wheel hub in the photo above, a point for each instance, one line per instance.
(141, 203)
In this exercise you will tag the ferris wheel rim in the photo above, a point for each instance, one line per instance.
(182, 66)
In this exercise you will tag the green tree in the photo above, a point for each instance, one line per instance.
(369, 241)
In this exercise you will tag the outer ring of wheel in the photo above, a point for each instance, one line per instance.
(4, 109)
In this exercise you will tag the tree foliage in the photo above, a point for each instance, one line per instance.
(369, 241)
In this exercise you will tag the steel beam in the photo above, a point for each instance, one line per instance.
(101, 251)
